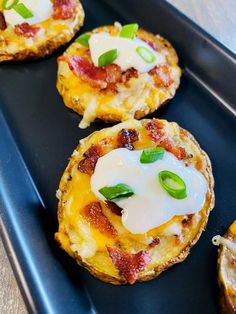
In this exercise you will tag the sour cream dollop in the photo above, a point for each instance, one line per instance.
(127, 54)
(41, 9)
(150, 206)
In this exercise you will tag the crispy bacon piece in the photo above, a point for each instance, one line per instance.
(113, 73)
(233, 261)
(87, 165)
(155, 129)
(97, 77)
(94, 215)
(63, 9)
(161, 75)
(114, 208)
(179, 152)
(127, 137)
(154, 242)
(3, 24)
(129, 265)
(130, 73)
(187, 219)
(26, 30)
(156, 132)
(103, 78)
(152, 44)
(85, 69)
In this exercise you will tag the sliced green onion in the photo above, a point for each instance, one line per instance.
(173, 184)
(150, 155)
(117, 191)
(83, 39)
(107, 57)
(9, 4)
(21, 9)
(145, 54)
(129, 31)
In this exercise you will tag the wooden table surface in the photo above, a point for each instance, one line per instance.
(218, 17)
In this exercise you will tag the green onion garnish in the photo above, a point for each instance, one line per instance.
(107, 57)
(129, 31)
(21, 9)
(150, 155)
(117, 191)
(9, 4)
(83, 39)
(145, 54)
(173, 184)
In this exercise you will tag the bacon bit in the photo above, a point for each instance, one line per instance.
(63, 9)
(187, 219)
(154, 242)
(26, 30)
(84, 68)
(94, 215)
(127, 137)
(87, 165)
(162, 75)
(233, 261)
(179, 152)
(152, 44)
(97, 77)
(156, 132)
(155, 129)
(3, 24)
(113, 73)
(114, 208)
(130, 73)
(129, 265)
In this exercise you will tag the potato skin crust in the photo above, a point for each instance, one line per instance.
(202, 162)
(118, 107)
(227, 292)
(40, 48)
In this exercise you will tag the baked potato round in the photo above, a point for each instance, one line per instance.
(227, 269)
(91, 230)
(25, 41)
(111, 94)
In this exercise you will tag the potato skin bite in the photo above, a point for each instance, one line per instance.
(227, 274)
(99, 242)
(52, 34)
(117, 96)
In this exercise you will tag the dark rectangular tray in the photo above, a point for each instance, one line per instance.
(38, 134)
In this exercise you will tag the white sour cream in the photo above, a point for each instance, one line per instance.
(41, 9)
(151, 206)
(127, 54)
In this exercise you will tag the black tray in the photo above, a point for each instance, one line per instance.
(38, 134)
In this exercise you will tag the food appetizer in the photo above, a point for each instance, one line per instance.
(32, 29)
(115, 73)
(227, 269)
(134, 199)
